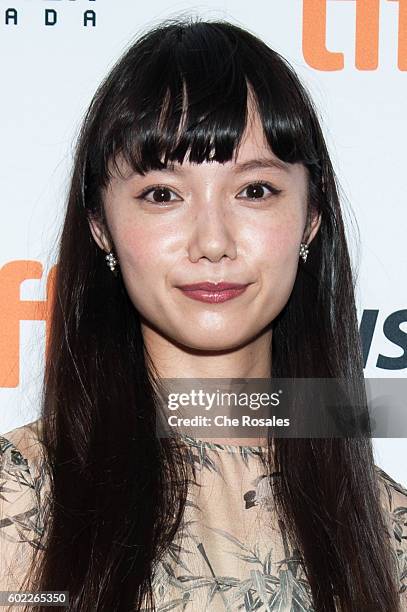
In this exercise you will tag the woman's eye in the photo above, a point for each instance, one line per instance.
(256, 191)
(160, 194)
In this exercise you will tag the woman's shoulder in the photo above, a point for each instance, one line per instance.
(23, 482)
(396, 492)
(25, 439)
(394, 500)
(21, 452)
(23, 499)
(21, 460)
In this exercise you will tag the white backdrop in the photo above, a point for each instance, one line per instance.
(49, 74)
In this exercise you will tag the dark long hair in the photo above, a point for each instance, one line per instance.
(118, 491)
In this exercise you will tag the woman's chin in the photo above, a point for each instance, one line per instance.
(213, 341)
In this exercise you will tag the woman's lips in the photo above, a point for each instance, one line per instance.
(213, 293)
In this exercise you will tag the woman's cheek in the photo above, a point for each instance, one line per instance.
(135, 247)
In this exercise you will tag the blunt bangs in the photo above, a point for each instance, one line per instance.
(187, 91)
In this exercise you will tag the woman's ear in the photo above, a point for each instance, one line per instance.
(99, 233)
(313, 227)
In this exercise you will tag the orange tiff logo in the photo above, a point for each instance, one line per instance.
(13, 310)
(367, 35)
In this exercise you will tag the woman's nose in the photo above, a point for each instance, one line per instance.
(212, 234)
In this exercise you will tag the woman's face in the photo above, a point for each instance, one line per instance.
(209, 222)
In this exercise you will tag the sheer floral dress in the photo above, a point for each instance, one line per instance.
(233, 553)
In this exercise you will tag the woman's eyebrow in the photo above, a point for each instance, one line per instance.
(261, 162)
(251, 164)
